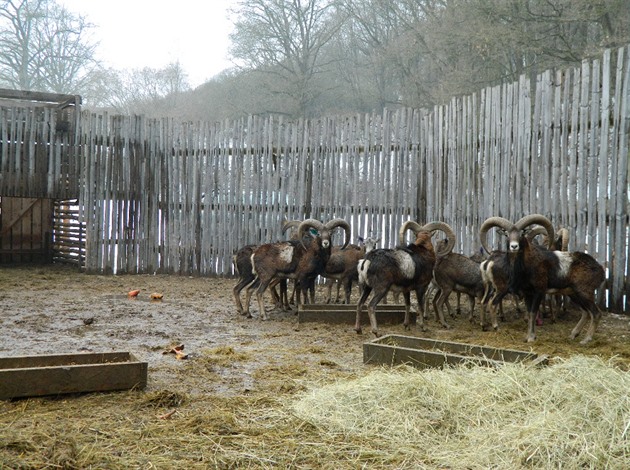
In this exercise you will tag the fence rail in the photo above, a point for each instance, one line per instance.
(165, 196)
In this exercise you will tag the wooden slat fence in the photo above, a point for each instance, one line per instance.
(37, 151)
(68, 233)
(165, 196)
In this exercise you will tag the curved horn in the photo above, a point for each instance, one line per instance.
(540, 220)
(408, 225)
(287, 224)
(308, 223)
(291, 225)
(563, 235)
(534, 232)
(334, 223)
(489, 223)
(448, 231)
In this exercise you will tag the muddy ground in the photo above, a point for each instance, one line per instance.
(48, 310)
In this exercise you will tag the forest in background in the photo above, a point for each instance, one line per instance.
(308, 58)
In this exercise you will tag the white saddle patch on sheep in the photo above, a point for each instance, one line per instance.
(362, 268)
(405, 263)
(286, 253)
(565, 259)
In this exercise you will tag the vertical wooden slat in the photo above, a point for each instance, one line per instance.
(556, 194)
(619, 235)
(573, 153)
(566, 196)
(604, 179)
(582, 157)
(593, 181)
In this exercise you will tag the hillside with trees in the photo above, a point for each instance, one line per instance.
(306, 58)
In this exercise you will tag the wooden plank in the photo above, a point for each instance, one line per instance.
(56, 98)
(29, 376)
(340, 314)
(424, 353)
(27, 206)
(348, 307)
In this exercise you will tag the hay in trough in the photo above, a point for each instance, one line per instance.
(575, 414)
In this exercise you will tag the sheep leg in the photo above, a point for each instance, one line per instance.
(311, 290)
(502, 313)
(338, 291)
(261, 301)
(284, 295)
(483, 312)
(376, 298)
(471, 301)
(294, 294)
(329, 284)
(248, 296)
(439, 313)
(496, 304)
(495, 317)
(347, 285)
(517, 304)
(595, 315)
(580, 325)
(487, 307)
(589, 309)
(532, 303)
(485, 304)
(436, 291)
(420, 293)
(439, 300)
(490, 311)
(407, 321)
(275, 297)
(364, 295)
(236, 291)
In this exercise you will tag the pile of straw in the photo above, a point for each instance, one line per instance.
(575, 414)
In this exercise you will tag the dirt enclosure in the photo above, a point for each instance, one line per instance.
(235, 368)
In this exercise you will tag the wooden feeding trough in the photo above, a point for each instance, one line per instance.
(30, 376)
(423, 353)
(346, 313)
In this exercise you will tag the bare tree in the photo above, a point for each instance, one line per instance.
(284, 38)
(149, 91)
(364, 53)
(44, 47)
(427, 51)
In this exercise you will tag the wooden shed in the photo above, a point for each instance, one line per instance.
(39, 174)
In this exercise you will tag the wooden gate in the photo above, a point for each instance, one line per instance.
(25, 230)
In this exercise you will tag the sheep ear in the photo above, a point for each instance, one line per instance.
(314, 232)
